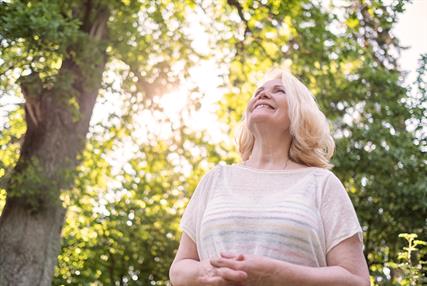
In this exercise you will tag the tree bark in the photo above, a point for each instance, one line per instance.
(30, 243)
(32, 219)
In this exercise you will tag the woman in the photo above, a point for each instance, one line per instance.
(280, 217)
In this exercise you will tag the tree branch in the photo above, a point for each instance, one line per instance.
(248, 30)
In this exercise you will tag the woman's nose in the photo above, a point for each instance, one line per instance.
(263, 94)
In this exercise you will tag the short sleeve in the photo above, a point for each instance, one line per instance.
(193, 213)
(338, 214)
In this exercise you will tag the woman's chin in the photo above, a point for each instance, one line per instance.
(264, 121)
(266, 115)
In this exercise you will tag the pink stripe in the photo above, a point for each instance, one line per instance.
(281, 251)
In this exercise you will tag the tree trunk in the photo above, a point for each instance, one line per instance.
(32, 219)
(30, 243)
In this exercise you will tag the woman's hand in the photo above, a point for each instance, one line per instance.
(256, 267)
(220, 276)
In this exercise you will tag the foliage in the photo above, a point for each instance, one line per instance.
(132, 183)
(411, 267)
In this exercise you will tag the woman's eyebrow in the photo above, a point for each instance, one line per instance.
(278, 86)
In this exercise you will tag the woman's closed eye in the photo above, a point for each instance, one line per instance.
(279, 91)
(275, 90)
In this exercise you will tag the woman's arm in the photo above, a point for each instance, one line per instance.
(184, 272)
(347, 267)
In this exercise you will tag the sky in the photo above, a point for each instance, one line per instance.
(412, 31)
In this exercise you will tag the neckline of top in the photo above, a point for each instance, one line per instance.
(272, 171)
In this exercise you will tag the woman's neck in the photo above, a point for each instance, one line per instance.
(270, 153)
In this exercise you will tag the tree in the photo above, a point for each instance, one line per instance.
(347, 55)
(57, 52)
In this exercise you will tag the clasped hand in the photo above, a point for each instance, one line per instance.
(236, 270)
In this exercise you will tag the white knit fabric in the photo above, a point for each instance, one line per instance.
(296, 216)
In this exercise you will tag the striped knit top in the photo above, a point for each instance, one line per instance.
(296, 216)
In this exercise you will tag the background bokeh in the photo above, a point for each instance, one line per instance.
(171, 80)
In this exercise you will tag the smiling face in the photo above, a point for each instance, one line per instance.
(268, 107)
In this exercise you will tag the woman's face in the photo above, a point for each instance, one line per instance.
(268, 108)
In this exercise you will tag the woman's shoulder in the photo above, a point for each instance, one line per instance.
(323, 172)
(212, 171)
(326, 175)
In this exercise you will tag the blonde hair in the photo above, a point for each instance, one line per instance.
(311, 143)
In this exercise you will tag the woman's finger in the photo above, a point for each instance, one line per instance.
(232, 275)
(221, 281)
(232, 255)
(222, 262)
(228, 254)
